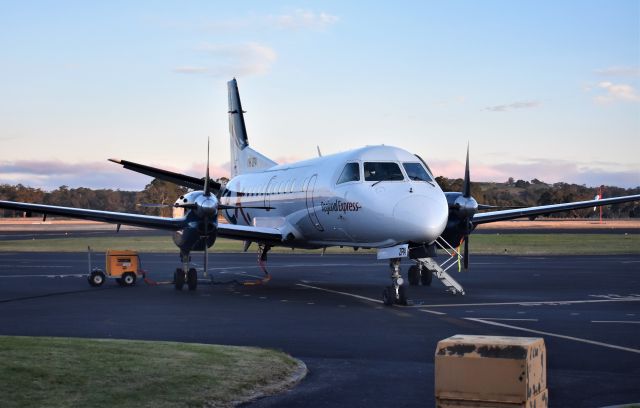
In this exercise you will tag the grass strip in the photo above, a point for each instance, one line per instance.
(64, 372)
(515, 244)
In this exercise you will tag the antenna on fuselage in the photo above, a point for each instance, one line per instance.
(319, 152)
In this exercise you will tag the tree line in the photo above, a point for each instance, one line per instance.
(510, 193)
(523, 193)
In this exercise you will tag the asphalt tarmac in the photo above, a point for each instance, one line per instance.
(326, 311)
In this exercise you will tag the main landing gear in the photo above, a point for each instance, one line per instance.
(418, 274)
(185, 274)
(394, 294)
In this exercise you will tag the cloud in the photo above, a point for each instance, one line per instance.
(233, 60)
(616, 92)
(191, 70)
(512, 106)
(303, 19)
(623, 71)
(51, 174)
(298, 19)
(550, 171)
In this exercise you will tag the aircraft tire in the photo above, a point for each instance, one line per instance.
(192, 279)
(178, 279)
(426, 277)
(402, 296)
(414, 275)
(387, 296)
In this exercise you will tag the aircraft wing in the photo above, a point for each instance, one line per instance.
(166, 175)
(248, 233)
(493, 216)
(138, 220)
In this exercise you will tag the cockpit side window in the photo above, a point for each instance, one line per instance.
(416, 172)
(351, 172)
(382, 171)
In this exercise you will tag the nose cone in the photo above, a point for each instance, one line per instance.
(421, 218)
(206, 206)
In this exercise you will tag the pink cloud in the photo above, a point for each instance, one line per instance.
(50, 175)
(549, 171)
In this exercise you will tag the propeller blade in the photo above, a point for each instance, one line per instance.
(189, 206)
(151, 205)
(498, 207)
(466, 252)
(466, 189)
(205, 237)
(250, 207)
(206, 260)
(207, 189)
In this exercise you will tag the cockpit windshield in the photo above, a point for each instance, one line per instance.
(351, 172)
(382, 171)
(416, 172)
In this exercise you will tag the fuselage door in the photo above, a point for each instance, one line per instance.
(311, 209)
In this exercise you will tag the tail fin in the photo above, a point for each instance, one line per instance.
(243, 158)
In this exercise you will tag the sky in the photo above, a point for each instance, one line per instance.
(538, 89)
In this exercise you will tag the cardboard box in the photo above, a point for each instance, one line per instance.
(490, 368)
(539, 401)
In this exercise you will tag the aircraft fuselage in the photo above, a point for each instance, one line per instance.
(314, 208)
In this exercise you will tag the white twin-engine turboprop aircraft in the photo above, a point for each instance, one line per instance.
(378, 197)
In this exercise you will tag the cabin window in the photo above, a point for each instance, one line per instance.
(351, 172)
(416, 172)
(380, 171)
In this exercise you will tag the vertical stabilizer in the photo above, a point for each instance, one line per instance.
(243, 158)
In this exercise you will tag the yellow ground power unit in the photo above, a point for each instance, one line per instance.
(491, 371)
(122, 265)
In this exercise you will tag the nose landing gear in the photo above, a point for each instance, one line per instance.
(185, 274)
(394, 294)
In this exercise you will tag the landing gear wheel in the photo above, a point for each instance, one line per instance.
(178, 279)
(128, 279)
(388, 296)
(426, 277)
(402, 296)
(192, 279)
(96, 278)
(414, 275)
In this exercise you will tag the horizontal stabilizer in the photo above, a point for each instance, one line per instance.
(176, 178)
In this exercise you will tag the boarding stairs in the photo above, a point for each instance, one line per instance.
(440, 270)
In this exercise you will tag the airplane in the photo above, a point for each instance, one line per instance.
(374, 197)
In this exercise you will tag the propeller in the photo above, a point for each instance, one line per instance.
(466, 206)
(466, 193)
(207, 193)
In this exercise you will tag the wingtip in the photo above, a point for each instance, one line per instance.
(118, 161)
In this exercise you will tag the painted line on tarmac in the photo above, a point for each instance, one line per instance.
(432, 312)
(541, 303)
(340, 293)
(616, 321)
(506, 320)
(560, 336)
